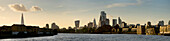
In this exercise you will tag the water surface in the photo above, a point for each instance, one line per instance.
(94, 37)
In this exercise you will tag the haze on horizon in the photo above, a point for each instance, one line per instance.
(65, 12)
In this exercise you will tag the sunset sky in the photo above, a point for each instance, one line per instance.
(65, 12)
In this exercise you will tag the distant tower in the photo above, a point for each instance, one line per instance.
(22, 19)
(77, 22)
(102, 20)
(120, 21)
(94, 23)
(114, 22)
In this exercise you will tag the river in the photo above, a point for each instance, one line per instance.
(94, 37)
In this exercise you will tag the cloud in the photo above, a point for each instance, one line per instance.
(18, 7)
(22, 8)
(123, 4)
(35, 8)
(2, 9)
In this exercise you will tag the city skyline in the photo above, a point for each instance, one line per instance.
(67, 11)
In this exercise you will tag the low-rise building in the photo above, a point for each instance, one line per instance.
(165, 29)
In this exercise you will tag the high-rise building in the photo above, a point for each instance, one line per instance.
(22, 19)
(103, 16)
(47, 26)
(107, 22)
(114, 22)
(54, 26)
(77, 22)
(120, 21)
(94, 23)
(169, 22)
(102, 20)
(161, 23)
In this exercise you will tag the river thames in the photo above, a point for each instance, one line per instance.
(94, 37)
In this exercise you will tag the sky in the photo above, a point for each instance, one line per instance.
(65, 12)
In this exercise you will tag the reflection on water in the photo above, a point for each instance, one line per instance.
(94, 37)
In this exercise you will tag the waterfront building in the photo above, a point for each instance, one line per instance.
(149, 29)
(165, 29)
(114, 22)
(140, 29)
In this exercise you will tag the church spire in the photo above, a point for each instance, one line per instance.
(22, 19)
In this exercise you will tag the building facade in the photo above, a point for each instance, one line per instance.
(102, 20)
(114, 22)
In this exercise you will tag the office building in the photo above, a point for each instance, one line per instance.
(107, 22)
(119, 21)
(94, 23)
(114, 22)
(102, 20)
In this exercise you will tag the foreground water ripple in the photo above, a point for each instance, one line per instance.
(94, 37)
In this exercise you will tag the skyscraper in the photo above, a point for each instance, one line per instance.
(114, 22)
(107, 22)
(22, 19)
(102, 20)
(77, 22)
(94, 23)
(120, 21)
